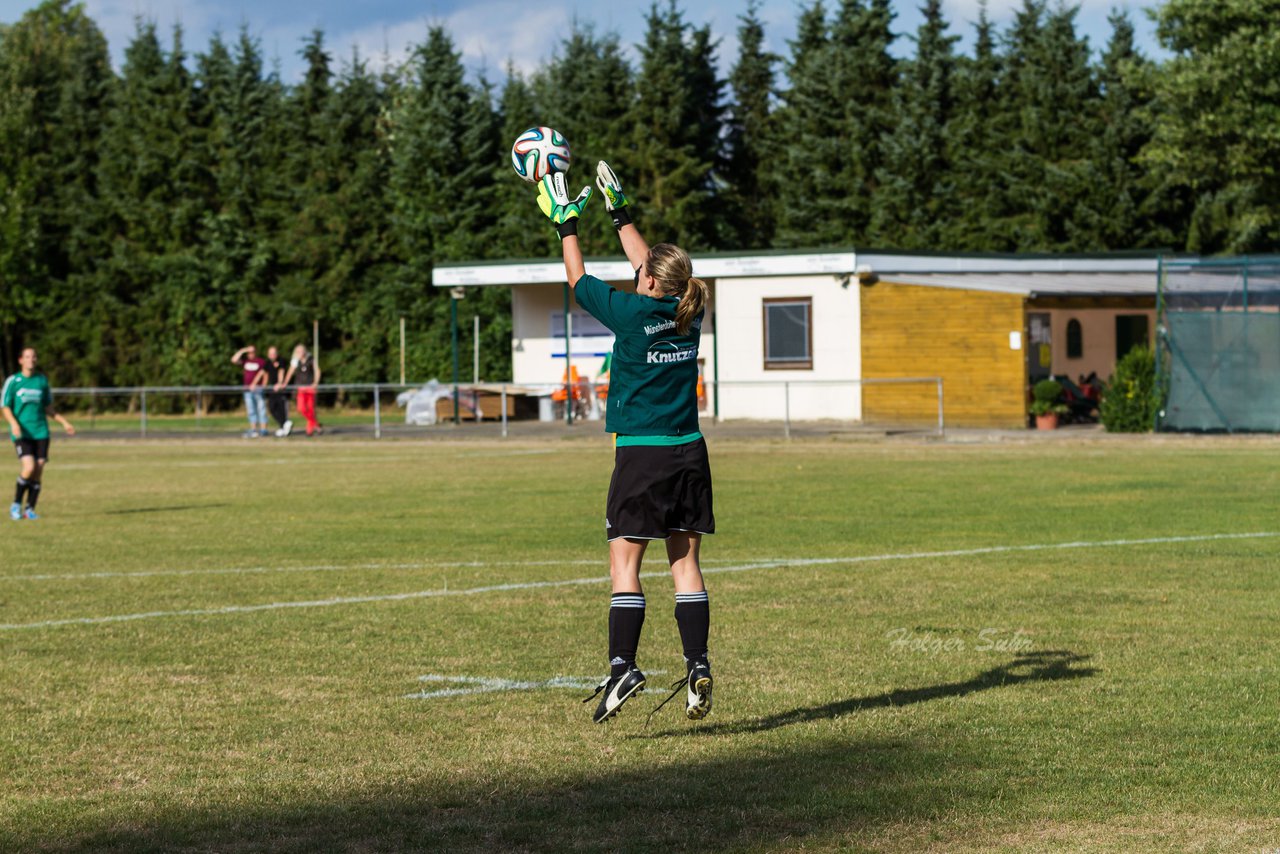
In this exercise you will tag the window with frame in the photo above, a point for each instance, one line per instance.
(788, 334)
(1075, 339)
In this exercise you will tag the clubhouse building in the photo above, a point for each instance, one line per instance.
(854, 335)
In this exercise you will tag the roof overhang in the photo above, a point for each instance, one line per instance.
(1116, 274)
(1141, 284)
(618, 269)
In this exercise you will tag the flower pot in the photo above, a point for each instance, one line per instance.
(1047, 422)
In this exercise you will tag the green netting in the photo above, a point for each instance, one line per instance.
(1220, 344)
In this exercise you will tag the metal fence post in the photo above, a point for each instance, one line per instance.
(144, 413)
(377, 413)
(504, 410)
(786, 396)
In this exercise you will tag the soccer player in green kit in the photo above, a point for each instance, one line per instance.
(26, 403)
(661, 484)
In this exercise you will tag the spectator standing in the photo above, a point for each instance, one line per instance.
(254, 379)
(277, 397)
(305, 374)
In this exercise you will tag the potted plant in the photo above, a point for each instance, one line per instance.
(1045, 406)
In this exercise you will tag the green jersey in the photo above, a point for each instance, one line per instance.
(653, 380)
(28, 397)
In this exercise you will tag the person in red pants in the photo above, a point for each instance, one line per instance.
(305, 374)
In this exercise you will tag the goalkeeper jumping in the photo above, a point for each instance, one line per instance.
(661, 485)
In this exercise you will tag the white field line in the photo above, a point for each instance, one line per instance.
(571, 582)
(301, 459)
(487, 685)
(323, 567)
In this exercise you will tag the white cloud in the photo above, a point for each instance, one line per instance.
(117, 20)
(489, 33)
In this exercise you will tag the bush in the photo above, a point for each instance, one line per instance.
(1130, 400)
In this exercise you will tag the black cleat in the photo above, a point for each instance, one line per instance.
(697, 688)
(616, 692)
(697, 701)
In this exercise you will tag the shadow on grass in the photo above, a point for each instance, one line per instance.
(783, 792)
(1040, 666)
(760, 797)
(171, 509)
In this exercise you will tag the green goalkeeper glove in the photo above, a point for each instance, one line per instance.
(553, 198)
(614, 199)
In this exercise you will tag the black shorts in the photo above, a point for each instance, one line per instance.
(658, 489)
(38, 448)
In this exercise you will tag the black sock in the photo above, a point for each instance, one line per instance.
(626, 617)
(693, 616)
(33, 494)
(20, 491)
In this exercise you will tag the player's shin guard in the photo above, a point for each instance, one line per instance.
(33, 494)
(21, 491)
(626, 618)
(693, 616)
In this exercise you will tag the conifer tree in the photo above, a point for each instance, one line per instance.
(1049, 104)
(1121, 212)
(677, 113)
(750, 203)
(839, 109)
(55, 79)
(444, 146)
(137, 186)
(586, 92)
(807, 214)
(864, 77)
(522, 230)
(975, 155)
(915, 194)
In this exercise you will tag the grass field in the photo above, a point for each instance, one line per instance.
(232, 646)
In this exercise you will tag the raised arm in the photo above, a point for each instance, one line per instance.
(633, 243)
(553, 199)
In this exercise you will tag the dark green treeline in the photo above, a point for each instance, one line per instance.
(155, 217)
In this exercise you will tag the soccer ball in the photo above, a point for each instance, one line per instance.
(538, 152)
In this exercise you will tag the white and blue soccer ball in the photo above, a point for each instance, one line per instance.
(538, 152)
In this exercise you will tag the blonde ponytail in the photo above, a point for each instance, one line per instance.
(691, 304)
(670, 265)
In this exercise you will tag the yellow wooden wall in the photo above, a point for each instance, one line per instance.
(960, 335)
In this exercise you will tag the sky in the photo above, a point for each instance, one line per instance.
(491, 33)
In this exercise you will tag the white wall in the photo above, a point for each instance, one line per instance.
(532, 345)
(837, 349)
(538, 357)
(738, 304)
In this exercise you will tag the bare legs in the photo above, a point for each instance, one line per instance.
(625, 557)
